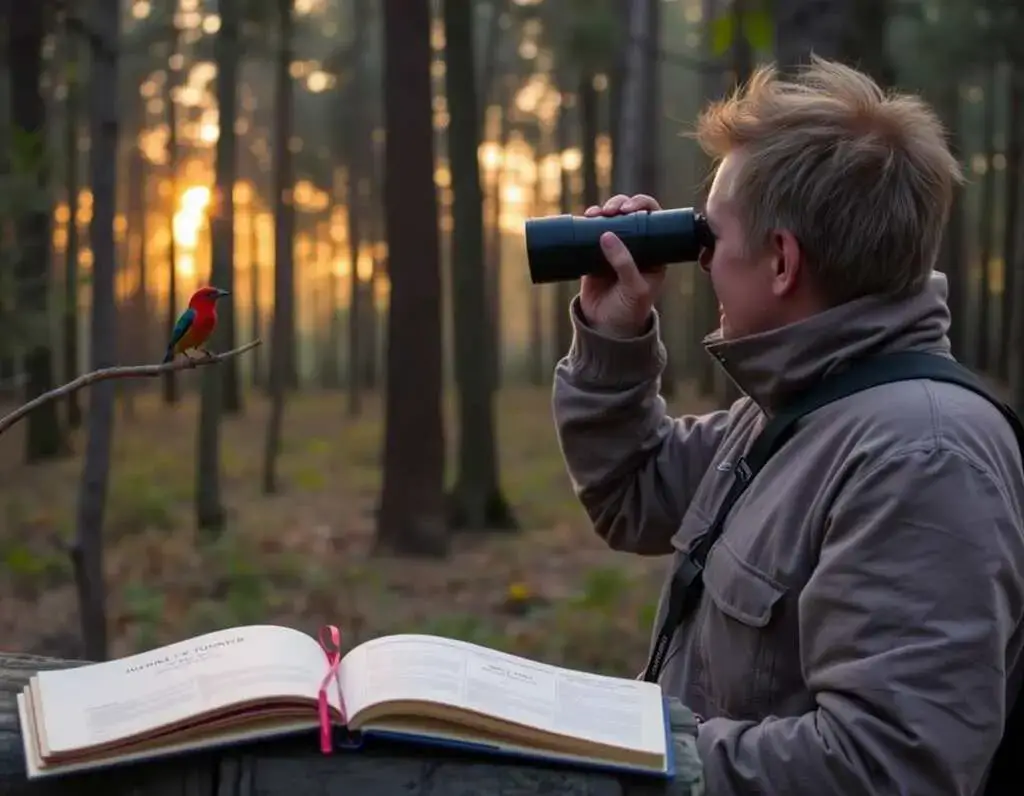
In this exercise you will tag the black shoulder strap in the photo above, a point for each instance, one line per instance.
(687, 582)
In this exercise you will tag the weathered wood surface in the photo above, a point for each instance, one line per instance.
(295, 767)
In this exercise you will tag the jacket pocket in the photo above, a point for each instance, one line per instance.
(736, 646)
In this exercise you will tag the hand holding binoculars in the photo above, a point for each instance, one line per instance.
(565, 247)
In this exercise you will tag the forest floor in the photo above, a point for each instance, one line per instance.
(302, 557)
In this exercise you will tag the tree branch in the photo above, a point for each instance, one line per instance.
(120, 372)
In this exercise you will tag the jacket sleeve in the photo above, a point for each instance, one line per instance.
(633, 468)
(904, 632)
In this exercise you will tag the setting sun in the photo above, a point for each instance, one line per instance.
(188, 221)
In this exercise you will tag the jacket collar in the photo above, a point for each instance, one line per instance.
(772, 366)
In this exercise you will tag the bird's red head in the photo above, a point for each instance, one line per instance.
(206, 297)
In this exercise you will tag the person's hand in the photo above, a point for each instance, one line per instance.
(620, 304)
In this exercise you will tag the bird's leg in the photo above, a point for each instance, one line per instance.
(188, 356)
(206, 354)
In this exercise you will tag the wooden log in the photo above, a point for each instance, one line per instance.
(295, 767)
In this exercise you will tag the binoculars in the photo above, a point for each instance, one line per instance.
(565, 247)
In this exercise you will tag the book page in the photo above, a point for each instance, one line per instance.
(119, 699)
(614, 711)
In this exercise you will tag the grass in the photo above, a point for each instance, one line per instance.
(301, 557)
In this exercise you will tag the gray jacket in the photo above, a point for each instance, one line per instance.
(861, 627)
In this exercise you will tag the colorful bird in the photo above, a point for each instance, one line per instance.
(196, 323)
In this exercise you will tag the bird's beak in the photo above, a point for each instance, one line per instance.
(222, 293)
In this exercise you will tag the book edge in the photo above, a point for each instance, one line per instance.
(211, 744)
(670, 740)
(488, 750)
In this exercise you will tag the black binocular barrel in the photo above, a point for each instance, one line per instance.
(565, 247)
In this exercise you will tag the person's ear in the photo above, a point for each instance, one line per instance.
(787, 260)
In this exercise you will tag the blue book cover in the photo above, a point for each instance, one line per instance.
(360, 739)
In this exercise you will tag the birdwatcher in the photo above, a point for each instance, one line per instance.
(844, 544)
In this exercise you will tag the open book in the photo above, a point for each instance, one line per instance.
(256, 682)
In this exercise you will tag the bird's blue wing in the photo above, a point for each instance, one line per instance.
(184, 322)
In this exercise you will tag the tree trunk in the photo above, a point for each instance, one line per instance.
(489, 60)
(27, 27)
(132, 316)
(331, 374)
(986, 228)
(222, 220)
(952, 256)
(290, 330)
(589, 130)
(705, 303)
(637, 141)
(650, 173)
(561, 326)
(215, 386)
(142, 289)
(73, 76)
(87, 550)
(742, 67)
(356, 151)
(1015, 227)
(1014, 175)
(411, 519)
(865, 41)
(493, 241)
(617, 82)
(255, 324)
(282, 351)
(476, 502)
(535, 354)
(847, 30)
(9, 348)
(170, 382)
(492, 58)
(632, 135)
(373, 214)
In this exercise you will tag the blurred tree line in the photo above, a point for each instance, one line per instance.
(357, 174)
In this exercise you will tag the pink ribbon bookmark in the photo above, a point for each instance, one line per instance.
(332, 650)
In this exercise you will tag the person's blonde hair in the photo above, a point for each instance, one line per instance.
(863, 179)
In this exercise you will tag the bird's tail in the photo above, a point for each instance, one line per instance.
(169, 355)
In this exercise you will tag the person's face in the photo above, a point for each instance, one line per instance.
(745, 274)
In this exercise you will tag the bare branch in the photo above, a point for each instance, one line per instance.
(120, 372)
